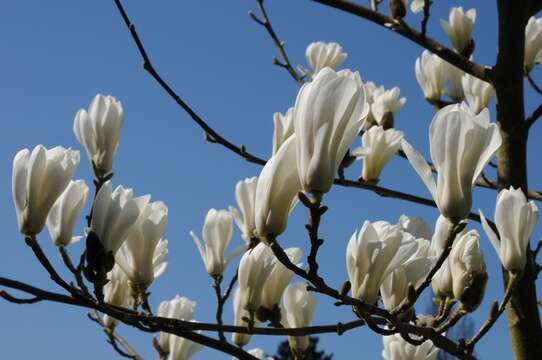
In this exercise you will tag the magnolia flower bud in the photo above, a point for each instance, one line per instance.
(245, 194)
(320, 55)
(385, 105)
(468, 268)
(239, 312)
(515, 218)
(461, 146)
(371, 255)
(477, 92)
(182, 349)
(278, 279)
(254, 270)
(378, 147)
(442, 280)
(396, 348)
(394, 289)
(38, 179)
(63, 215)
(431, 75)
(116, 292)
(298, 312)
(217, 232)
(371, 93)
(284, 128)
(143, 254)
(276, 191)
(533, 43)
(328, 115)
(98, 130)
(415, 226)
(180, 308)
(459, 28)
(113, 214)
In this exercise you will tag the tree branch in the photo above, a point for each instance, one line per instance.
(285, 62)
(401, 28)
(533, 84)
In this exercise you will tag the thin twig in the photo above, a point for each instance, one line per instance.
(76, 271)
(426, 6)
(534, 85)
(285, 62)
(535, 115)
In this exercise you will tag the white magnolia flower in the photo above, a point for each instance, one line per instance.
(299, 305)
(461, 145)
(239, 312)
(98, 130)
(216, 233)
(415, 225)
(459, 28)
(478, 93)
(454, 77)
(276, 191)
(396, 348)
(143, 254)
(328, 115)
(254, 270)
(116, 292)
(63, 215)
(372, 254)
(181, 348)
(533, 43)
(284, 128)
(468, 268)
(320, 55)
(245, 194)
(378, 147)
(113, 214)
(180, 308)
(278, 279)
(515, 219)
(371, 92)
(38, 179)
(385, 105)
(394, 289)
(431, 75)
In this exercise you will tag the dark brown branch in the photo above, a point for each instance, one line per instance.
(285, 61)
(76, 271)
(404, 30)
(315, 213)
(16, 300)
(426, 6)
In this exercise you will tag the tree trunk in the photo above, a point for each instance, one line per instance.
(523, 316)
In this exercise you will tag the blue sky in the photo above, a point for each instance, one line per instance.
(57, 55)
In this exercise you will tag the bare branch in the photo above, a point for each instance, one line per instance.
(285, 61)
(533, 84)
(401, 28)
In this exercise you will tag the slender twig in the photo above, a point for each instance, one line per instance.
(4, 294)
(456, 316)
(426, 6)
(401, 28)
(285, 61)
(315, 213)
(494, 314)
(219, 306)
(115, 339)
(534, 84)
(76, 271)
(535, 115)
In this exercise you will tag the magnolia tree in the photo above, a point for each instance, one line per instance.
(275, 289)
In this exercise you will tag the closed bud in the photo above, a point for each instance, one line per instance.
(468, 268)
(240, 313)
(245, 194)
(254, 270)
(328, 115)
(98, 130)
(431, 75)
(299, 305)
(515, 218)
(38, 179)
(63, 215)
(216, 233)
(461, 144)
